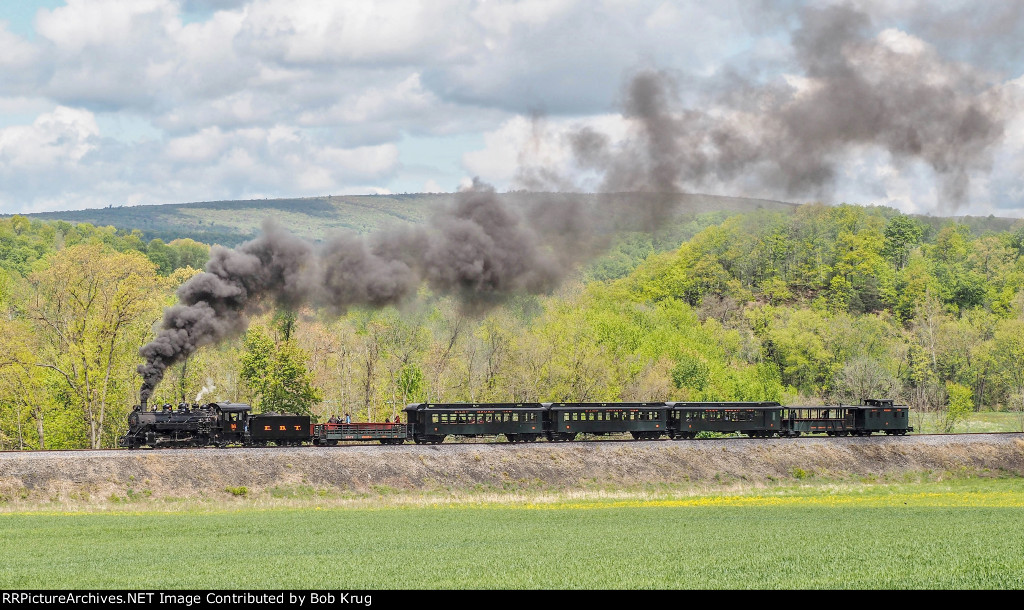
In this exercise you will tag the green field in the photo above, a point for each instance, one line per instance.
(959, 534)
(979, 421)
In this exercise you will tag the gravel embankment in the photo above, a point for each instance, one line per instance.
(562, 466)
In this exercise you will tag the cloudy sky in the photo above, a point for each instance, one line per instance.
(105, 102)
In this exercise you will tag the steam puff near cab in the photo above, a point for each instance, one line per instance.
(221, 424)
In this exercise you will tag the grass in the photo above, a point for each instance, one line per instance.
(979, 421)
(958, 534)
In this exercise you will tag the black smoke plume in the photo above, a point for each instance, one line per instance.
(855, 88)
(859, 90)
(482, 249)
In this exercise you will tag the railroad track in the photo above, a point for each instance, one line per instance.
(596, 439)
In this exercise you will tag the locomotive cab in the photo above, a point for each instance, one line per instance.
(234, 422)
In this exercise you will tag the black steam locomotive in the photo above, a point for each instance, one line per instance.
(223, 423)
(217, 424)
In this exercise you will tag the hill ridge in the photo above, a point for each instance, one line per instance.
(229, 222)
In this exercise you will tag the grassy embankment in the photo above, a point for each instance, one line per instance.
(951, 534)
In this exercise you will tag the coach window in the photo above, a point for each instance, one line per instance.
(433, 418)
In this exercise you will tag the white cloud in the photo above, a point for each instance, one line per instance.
(53, 140)
(231, 98)
(521, 142)
(211, 164)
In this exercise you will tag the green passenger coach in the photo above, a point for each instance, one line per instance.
(642, 420)
(519, 422)
(755, 419)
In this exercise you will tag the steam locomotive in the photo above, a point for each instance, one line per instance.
(223, 423)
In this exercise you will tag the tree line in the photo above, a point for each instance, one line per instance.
(819, 304)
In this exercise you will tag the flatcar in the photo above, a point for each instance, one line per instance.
(332, 433)
(221, 424)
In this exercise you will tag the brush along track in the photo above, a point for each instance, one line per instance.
(498, 466)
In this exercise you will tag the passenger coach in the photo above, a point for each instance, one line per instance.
(429, 423)
(755, 419)
(640, 419)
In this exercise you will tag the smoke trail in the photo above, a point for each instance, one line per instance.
(888, 91)
(214, 305)
(480, 250)
(853, 89)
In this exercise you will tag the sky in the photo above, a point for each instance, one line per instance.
(916, 105)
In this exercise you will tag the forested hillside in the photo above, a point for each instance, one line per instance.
(231, 222)
(814, 304)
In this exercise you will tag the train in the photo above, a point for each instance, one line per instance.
(222, 424)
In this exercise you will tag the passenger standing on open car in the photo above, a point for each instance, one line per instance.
(348, 418)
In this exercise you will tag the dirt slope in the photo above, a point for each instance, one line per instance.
(469, 467)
